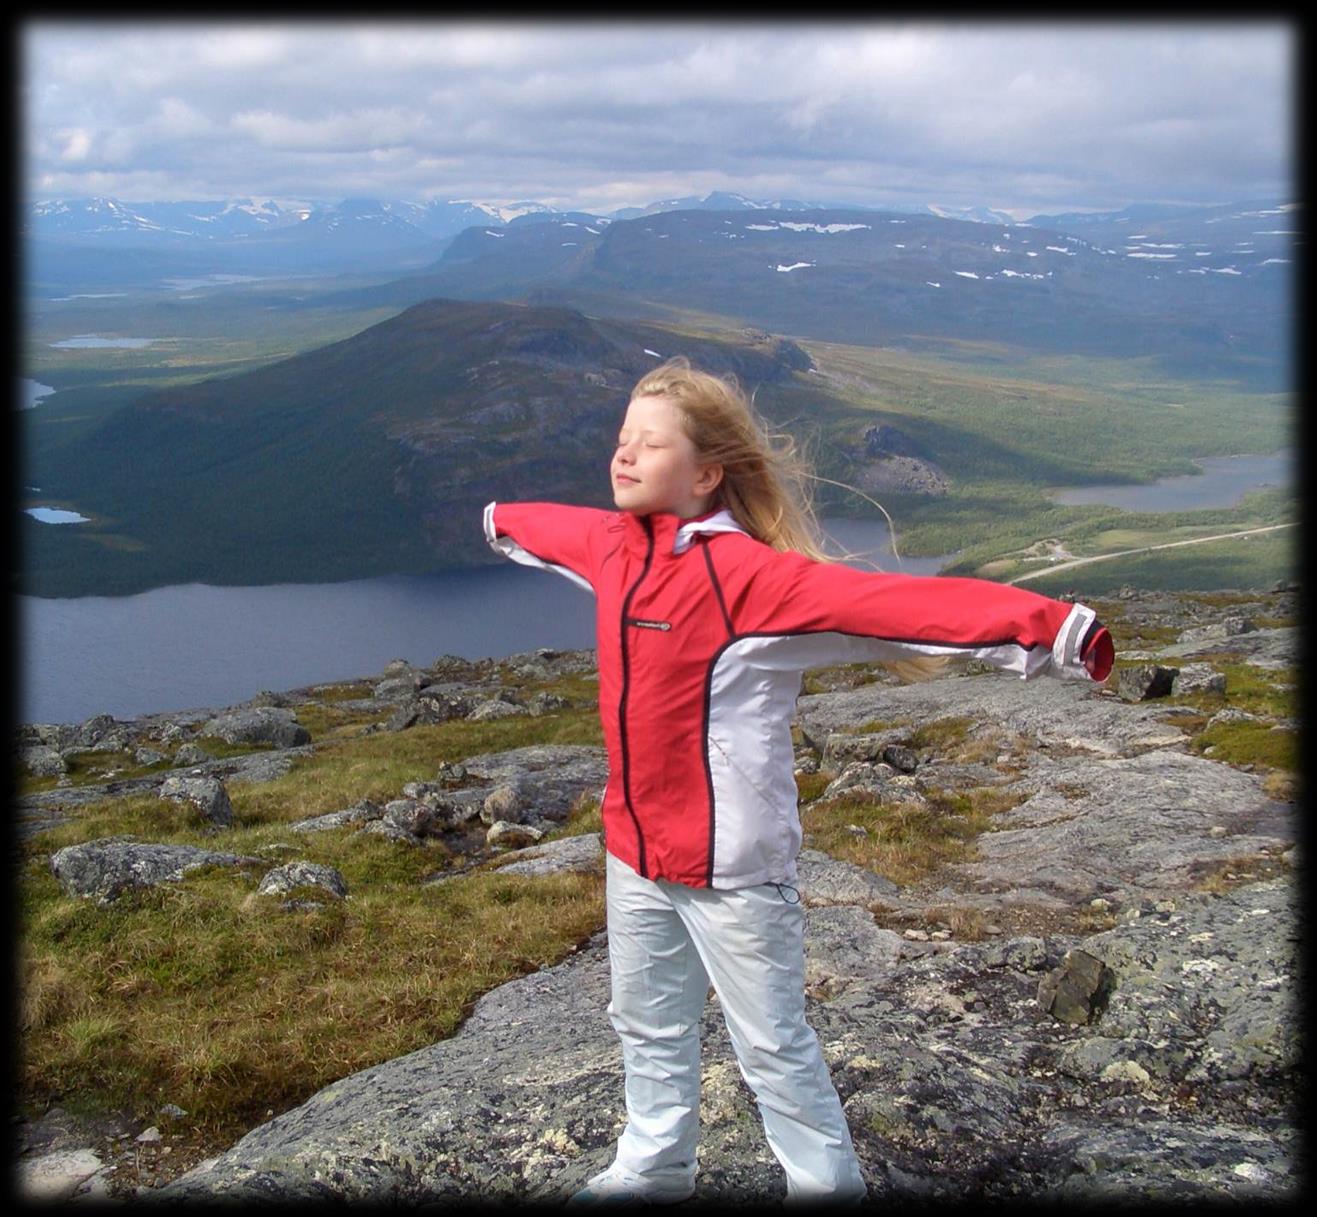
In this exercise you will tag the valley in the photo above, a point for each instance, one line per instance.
(319, 427)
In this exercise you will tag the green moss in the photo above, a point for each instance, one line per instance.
(1249, 743)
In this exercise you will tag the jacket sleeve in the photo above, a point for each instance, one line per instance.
(551, 536)
(903, 616)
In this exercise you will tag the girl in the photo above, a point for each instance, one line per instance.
(713, 596)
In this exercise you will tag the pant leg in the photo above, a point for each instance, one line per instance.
(659, 988)
(752, 943)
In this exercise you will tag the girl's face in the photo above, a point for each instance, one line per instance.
(655, 466)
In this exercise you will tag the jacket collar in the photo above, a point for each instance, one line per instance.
(674, 535)
(715, 521)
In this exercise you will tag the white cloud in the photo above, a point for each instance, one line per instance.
(1025, 116)
(77, 144)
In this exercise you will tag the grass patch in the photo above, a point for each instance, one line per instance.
(1268, 742)
(1219, 878)
(1248, 743)
(904, 841)
(946, 736)
(377, 766)
(203, 994)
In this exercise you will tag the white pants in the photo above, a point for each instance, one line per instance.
(666, 942)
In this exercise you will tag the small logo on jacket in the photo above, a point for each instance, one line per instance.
(649, 625)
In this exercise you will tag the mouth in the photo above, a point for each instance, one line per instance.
(621, 479)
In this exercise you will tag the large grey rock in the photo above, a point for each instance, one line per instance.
(292, 875)
(259, 725)
(1263, 648)
(505, 834)
(65, 1175)
(957, 1083)
(106, 868)
(1216, 980)
(580, 853)
(1126, 827)
(825, 880)
(43, 761)
(206, 794)
(1146, 681)
(844, 947)
(100, 733)
(1073, 713)
(544, 782)
(1161, 1162)
(476, 1116)
(1199, 678)
(361, 812)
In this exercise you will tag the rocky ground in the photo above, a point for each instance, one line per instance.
(1099, 1006)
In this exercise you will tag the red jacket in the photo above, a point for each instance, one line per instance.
(703, 634)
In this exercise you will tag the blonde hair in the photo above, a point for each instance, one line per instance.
(766, 482)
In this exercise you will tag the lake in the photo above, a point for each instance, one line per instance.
(194, 645)
(1224, 481)
(94, 342)
(30, 392)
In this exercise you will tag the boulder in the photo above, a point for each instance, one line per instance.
(104, 869)
(953, 1086)
(825, 880)
(504, 834)
(288, 878)
(360, 812)
(206, 794)
(258, 725)
(579, 853)
(494, 708)
(100, 733)
(42, 761)
(1145, 681)
(550, 779)
(1076, 991)
(1198, 678)
(430, 705)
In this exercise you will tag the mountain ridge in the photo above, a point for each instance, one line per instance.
(371, 455)
(282, 235)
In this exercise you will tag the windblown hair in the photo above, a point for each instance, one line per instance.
(766, 482)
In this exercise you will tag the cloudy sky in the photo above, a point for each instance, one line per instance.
(1023, 117)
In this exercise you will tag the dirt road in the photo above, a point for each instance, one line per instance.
(1123, 553)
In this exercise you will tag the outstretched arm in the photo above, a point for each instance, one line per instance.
(551, 536)
(910, 615)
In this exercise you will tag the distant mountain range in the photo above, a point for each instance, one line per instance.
(270, 236)
(1190, 283)
(110, 219)
(1205, 290)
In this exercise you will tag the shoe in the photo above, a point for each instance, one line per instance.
(618, 1187)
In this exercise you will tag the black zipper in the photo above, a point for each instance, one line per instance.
(626, 685)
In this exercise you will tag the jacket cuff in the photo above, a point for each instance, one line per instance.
(1083, 648)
